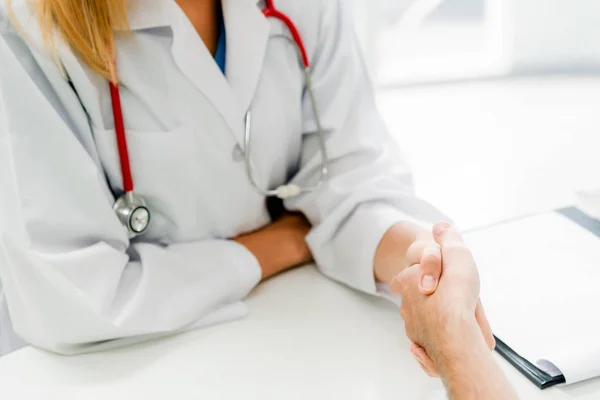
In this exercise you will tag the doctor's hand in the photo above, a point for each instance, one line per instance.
(279, 246)
(429, 315)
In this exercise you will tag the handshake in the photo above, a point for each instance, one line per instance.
(445, 320)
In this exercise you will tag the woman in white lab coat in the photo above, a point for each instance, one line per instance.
(71, 280)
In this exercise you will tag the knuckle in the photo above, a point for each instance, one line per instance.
(402, 280)
(403, 313)
(456, 249)
(431, 260)
(429, 373)
(414, 247)
(415, 252)
(452, 247)
(409, 331)
(421, 244)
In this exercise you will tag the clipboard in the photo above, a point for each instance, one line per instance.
(538, 377)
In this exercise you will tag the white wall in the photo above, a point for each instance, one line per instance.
(552, 35)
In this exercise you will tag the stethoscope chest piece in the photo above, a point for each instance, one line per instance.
(133, 213)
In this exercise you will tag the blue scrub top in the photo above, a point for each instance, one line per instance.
(221, 46)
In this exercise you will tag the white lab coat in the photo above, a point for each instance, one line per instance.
(72, 281)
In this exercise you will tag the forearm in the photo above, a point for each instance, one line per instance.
(390, 257)
(277, 248)
(468, 367)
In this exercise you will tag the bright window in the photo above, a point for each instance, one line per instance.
(432, 40)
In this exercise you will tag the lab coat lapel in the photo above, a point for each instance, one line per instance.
(247, 37)
(195, 61)
(247, 33)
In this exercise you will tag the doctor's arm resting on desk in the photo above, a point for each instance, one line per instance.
(72, 278)
(69, 275)
(444, 325)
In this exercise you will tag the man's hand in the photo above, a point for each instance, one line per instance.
(448, 324)
(456, 294)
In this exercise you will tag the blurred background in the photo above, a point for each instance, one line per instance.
(496, 103)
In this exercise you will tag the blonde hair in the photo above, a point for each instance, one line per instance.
(87, 26)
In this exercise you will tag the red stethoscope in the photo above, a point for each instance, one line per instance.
(132, 209)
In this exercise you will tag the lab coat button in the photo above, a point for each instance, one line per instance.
(237, 154)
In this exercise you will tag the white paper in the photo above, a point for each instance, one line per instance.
(541, 291)
(589, 202)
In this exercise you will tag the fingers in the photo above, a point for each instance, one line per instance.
(415, 252)
(430, 269)
(446, 235)
(424, 360)
(454, 251)
(484, 325)
(404, 280)
(425, 368)
(428, 256)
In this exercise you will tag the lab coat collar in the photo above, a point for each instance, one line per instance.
(247, 37)
(147, 14)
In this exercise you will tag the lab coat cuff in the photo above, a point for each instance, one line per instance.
(370, 222)
(247, 266)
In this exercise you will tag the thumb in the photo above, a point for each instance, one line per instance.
(446, 235)
(430, 269)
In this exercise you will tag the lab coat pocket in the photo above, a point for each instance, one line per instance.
(164, 169)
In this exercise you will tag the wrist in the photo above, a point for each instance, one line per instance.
(467, 366)
(278, 246)
(295, 246)
(461, 339)
(266, 248)
(287, 248)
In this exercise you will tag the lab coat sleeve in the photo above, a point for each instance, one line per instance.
(71, 278)
(370, 185)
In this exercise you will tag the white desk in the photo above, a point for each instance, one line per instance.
(308, 338)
